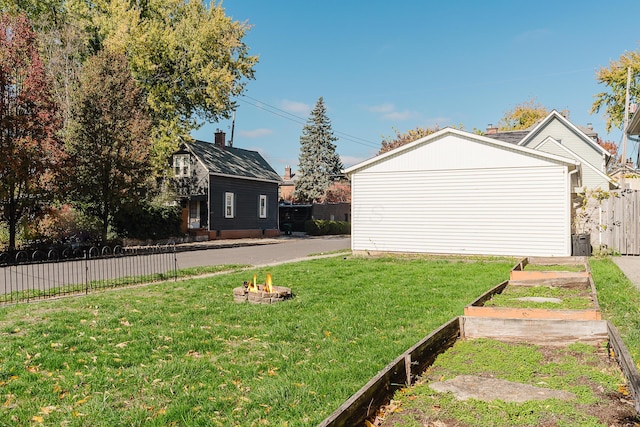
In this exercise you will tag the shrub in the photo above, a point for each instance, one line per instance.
(148, 221)
(321, 227)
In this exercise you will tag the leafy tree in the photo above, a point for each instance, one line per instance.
(400, 139)
(108, 139)
(318, 163)
(614, 77)
(29, 148)
(338, 192)
(189, 58)
(523, 116)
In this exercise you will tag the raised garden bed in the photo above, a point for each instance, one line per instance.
(488, 382)
(541, 268)
(558, 298)
(412, 364)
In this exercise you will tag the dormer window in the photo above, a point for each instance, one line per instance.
(182, 165)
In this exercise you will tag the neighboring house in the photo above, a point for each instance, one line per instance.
(288, 185)
(556, 135)
(226, 192)
(460, 193)
(626, 175)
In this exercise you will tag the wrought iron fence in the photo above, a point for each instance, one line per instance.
(39, 274)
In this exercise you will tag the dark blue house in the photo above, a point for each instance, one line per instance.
(225, 192)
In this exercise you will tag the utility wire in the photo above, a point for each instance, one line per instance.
(301, 121)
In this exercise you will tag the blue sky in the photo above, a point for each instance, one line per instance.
(383, 65)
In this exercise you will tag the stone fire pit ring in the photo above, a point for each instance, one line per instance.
(261, 293)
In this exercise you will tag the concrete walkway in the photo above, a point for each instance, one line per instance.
(630, 266)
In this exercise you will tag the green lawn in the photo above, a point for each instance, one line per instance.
(183, 353)
(619, 301)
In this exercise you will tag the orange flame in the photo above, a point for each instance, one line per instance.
(268, 286)
(253, 287)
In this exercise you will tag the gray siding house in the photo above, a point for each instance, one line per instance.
(555, 134)
(225, 192)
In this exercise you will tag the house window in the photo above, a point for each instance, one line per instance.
(229, 211)
(262, 206)
(181, 165)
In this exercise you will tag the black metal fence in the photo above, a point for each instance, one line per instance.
(39, 274)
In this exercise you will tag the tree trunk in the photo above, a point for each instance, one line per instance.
(13, 226)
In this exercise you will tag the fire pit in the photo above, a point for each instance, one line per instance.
(259, 293)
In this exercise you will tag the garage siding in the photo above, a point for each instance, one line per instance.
(496, 211)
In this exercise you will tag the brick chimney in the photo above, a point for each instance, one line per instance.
(287, 173)
(491, 130)
(219, 138)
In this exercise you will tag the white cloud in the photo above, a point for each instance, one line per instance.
(399, 115)
(389, 112)
(382, 108)
(295, 107)
(255, 133)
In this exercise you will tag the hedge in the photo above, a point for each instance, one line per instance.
(321, 227)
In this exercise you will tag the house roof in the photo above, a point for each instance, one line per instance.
(554, 115)
(518, 136)
(478, 138)
(511, 136)
(633, 128)
(584, 163)
(232, 162)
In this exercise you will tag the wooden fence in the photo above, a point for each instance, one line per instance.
(620, 222)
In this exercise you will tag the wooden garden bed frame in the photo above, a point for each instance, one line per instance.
(518, 272)
(403, 371)
(478, 308)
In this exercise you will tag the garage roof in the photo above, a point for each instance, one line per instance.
(477, 138)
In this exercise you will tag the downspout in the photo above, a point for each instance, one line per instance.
(571, 218)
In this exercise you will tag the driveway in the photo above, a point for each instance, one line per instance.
(630, 266)
(263, 251)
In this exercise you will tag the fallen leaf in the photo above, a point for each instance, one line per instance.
(47, 410)
(37, 419)
(81, 401)
(122, 344)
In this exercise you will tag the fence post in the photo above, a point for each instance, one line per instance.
(86, 272)
(175, 263)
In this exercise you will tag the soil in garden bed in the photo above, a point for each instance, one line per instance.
(549, 297)
(574, 268)
(528, 385)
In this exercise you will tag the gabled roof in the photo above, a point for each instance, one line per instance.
(478, 138)
(232, 162)
(554, 115)
(571, 154)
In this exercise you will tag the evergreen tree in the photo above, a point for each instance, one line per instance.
(318, 163)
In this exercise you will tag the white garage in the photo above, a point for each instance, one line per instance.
(455, 192)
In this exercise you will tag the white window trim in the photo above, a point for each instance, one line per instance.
(262, 206)
(182, 165)
(229, 205)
